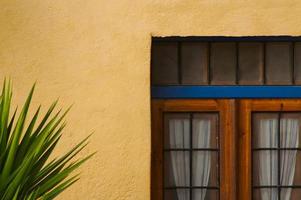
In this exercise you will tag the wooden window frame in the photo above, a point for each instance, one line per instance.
(246, 107)
(226, 109)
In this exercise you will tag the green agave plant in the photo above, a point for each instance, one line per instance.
(25, 173)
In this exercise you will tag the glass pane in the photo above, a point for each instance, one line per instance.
(177, 194)
(297, 175)
(164, 63)
(177, 131)
(291, 194)
(290, 167)
(223, 63)
(250, 63)
(206, 194)
(205, 168)
(265, 194)
(290, 130)
(205, 131)
(278, 63)
(194, 63)
(177, 168)
(265, 130)
(265, 167)
(297, 56)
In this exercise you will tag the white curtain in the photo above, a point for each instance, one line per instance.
(178, 132)
(289, 139)
(201, 159)
(268, 160)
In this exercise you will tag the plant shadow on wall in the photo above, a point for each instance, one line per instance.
(25, 173)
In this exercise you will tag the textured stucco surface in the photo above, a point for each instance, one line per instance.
(96, 54)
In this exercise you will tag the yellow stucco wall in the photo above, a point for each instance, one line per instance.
(96, 54)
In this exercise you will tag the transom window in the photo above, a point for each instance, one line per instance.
(226, 61)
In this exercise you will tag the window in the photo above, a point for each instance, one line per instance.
(242, 143)
(191, 155)
(195, 143)
(270, 159)
(192, 158)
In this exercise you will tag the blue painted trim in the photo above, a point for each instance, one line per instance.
(181, 92)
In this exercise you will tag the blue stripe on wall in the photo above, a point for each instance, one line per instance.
(181, 92)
